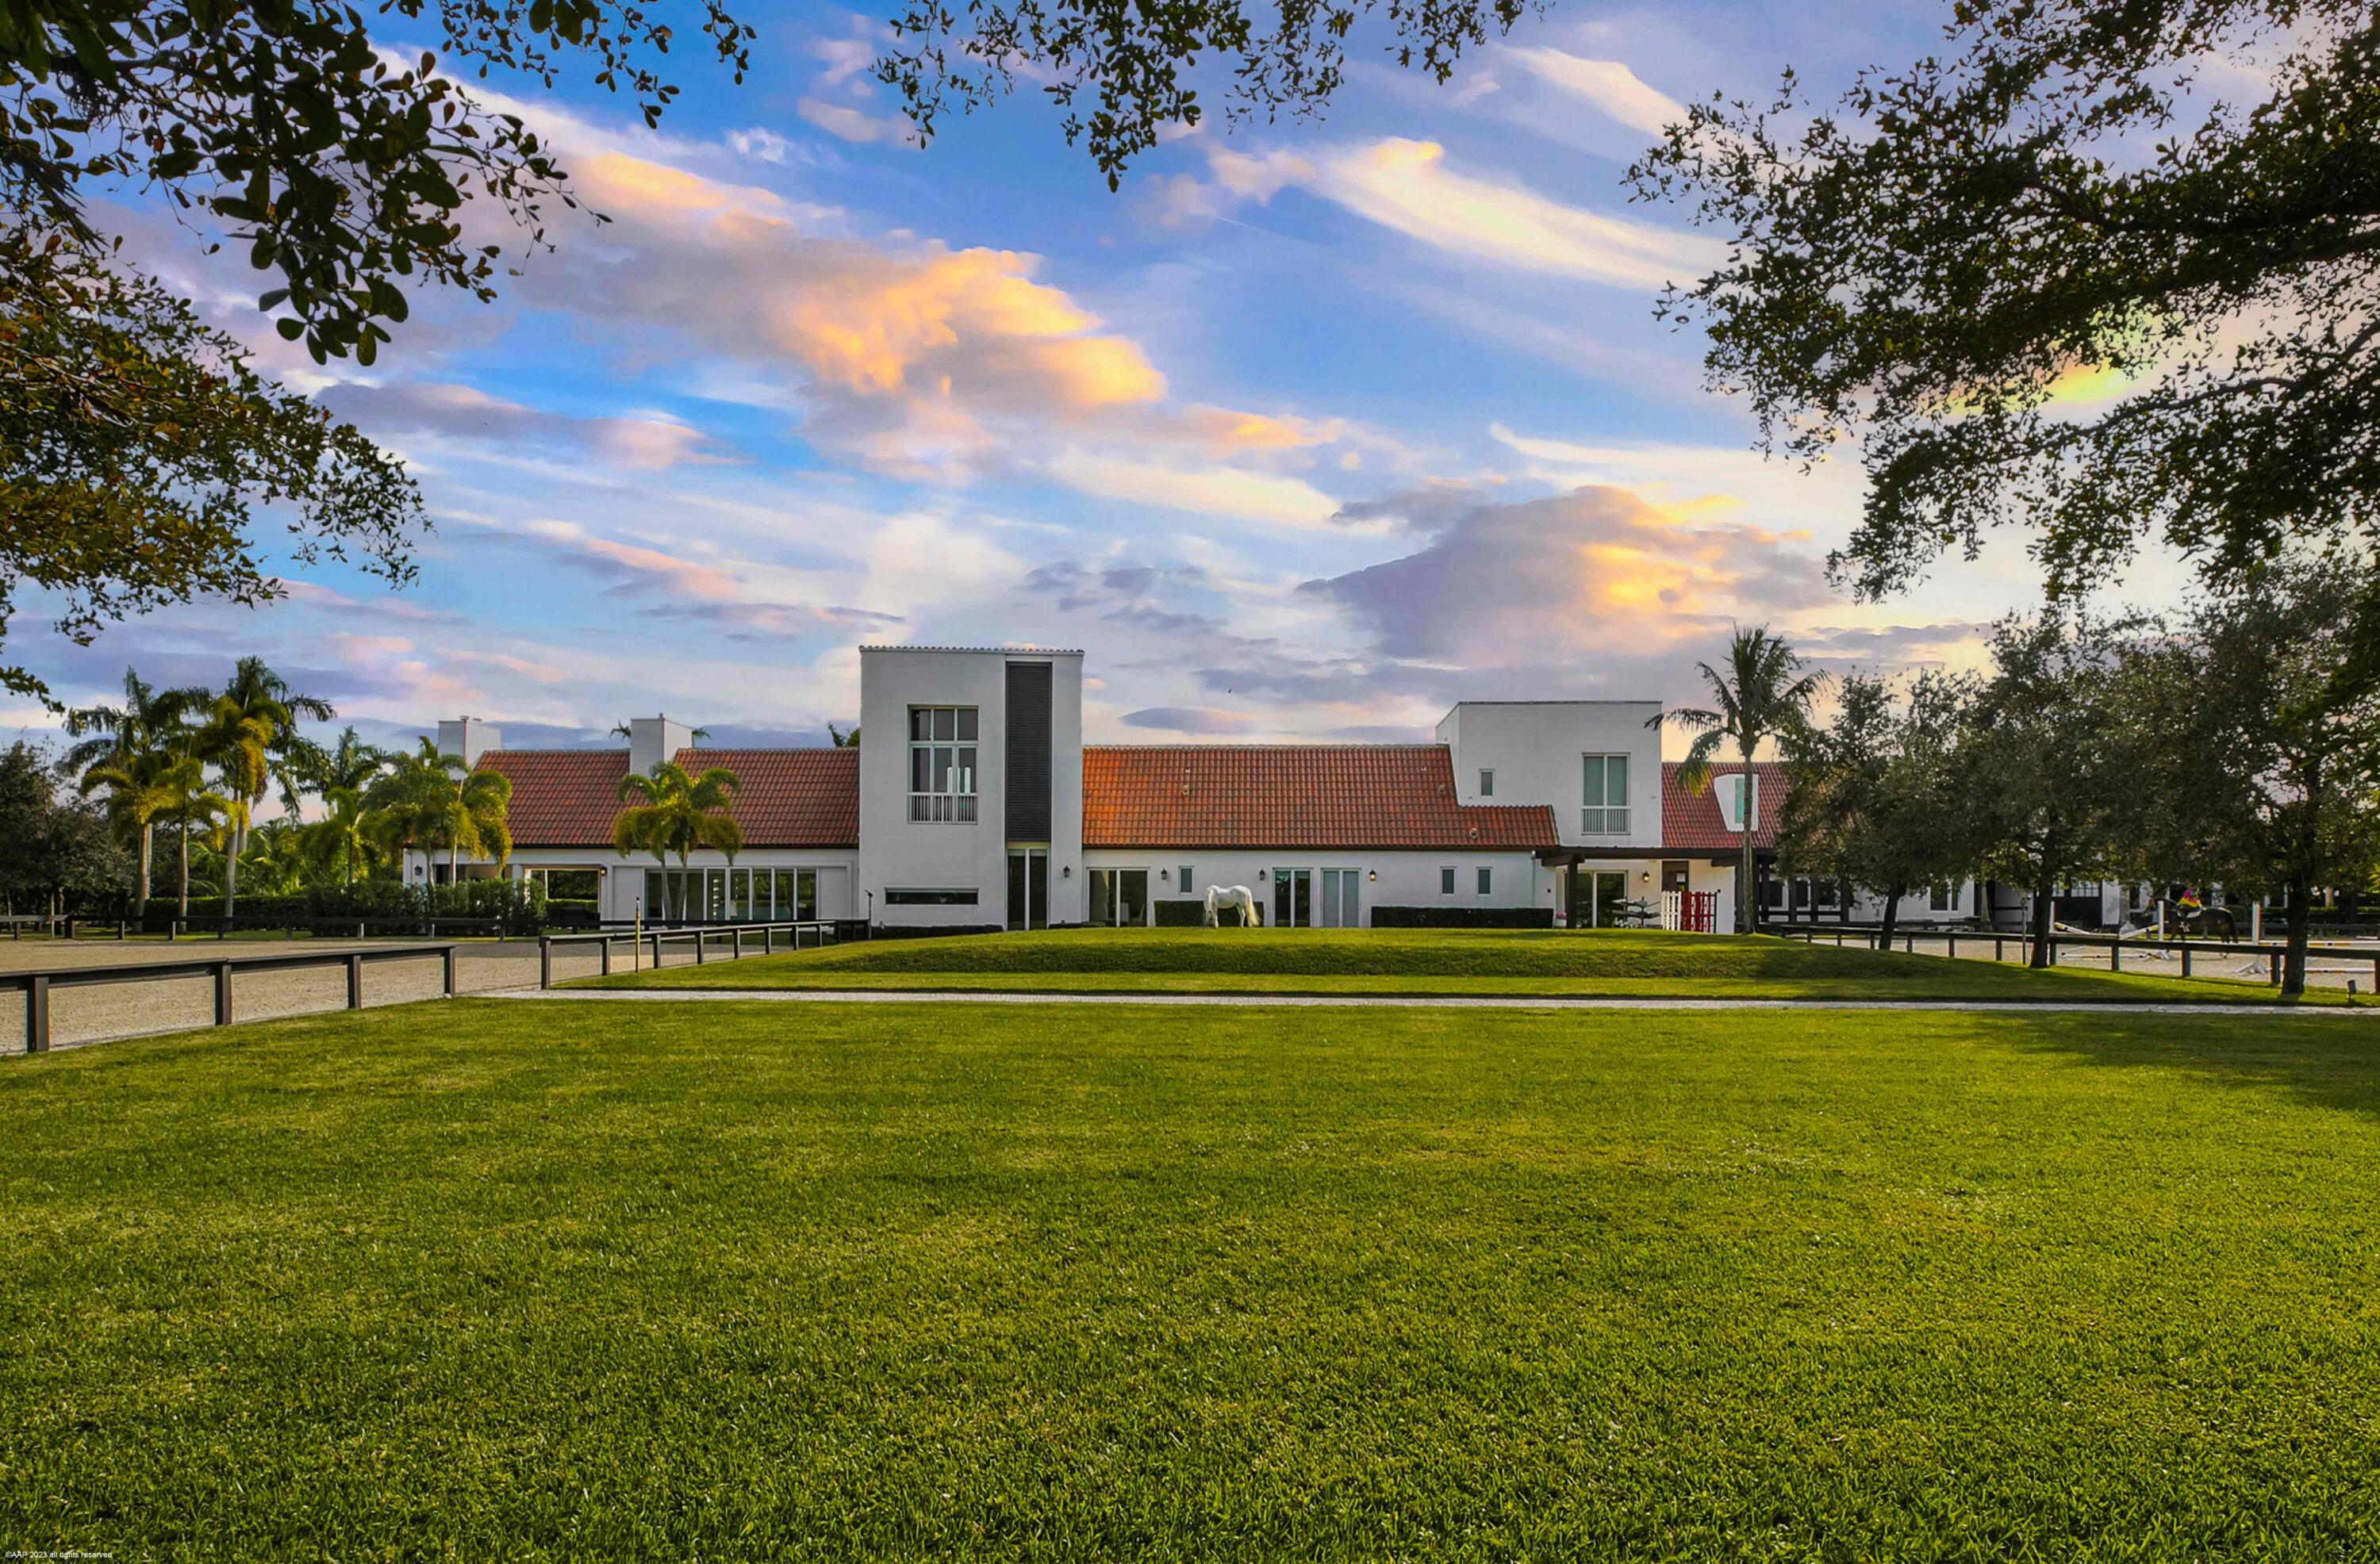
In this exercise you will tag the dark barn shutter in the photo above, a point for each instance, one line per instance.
(1029, 751)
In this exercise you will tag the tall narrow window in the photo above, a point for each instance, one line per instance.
(1487, 881)
(1446, 880)
(1736, 791)
(941, 762)
(1487, 783)
(1605, 796)
(1188, 880)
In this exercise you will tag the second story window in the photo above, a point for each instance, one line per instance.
(1487, 784)
(941, 762)
(1734, 791)
(1605, 811)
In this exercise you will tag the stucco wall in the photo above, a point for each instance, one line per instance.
(1535, 748)
(896, 853)
(1404, 878)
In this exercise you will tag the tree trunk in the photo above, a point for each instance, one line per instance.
(183, 907)
(2293, 961)
(2041, 911)
(1892, 919)
(231, 868)
(140, 890)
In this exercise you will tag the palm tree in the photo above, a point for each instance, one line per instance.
(842, 740)
(431, 801)
(295, 757)
(275, 862)
(139, 793)
(350, 763)
(237, 736)
(673, 811)
(1762, 695)
(193, 804)
(132, 740)
(349, 831)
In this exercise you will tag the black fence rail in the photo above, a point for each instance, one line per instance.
(75, 925)
(1872, 937)
(36, 986)
(769, 937)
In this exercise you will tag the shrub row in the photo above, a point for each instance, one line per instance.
(520, 907)
(1463, 917)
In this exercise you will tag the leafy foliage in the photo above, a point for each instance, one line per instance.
(2262, 764)
(432, 802)
(55, 843)
(1872, 795)
(137, 444)
(2041, 279)
(287, 130)
(1125, 74)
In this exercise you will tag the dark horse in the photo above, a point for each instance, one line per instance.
(2185, 922)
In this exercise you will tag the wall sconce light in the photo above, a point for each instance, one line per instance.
(1260, 874)
(1165, 873)
(1065, 871)
(1646, 877)
(1375, 874)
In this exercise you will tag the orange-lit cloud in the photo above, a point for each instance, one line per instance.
(1597, 569)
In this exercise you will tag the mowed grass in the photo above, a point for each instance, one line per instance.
(484, 1280)
(1618, 963)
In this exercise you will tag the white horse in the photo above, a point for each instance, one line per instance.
(1240, 896)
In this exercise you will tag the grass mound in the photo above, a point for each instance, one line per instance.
(502, 1280)
(1613, 962)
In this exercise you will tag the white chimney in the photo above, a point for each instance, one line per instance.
(471, 738)
(652, 740)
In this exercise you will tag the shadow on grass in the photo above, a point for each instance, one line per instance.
(2330, 1061)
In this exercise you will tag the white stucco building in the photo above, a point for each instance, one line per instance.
(972, 801)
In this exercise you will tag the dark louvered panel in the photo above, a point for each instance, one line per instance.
(1029, 751)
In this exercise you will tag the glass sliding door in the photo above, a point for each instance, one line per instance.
(1120, 898)
(1028, 888)
(1293, 898)
(1341, 908)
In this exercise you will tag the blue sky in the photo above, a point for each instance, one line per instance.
(1310, 430)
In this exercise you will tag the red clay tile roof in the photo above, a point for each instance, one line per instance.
(1347, 795)
(561, 797)
(787, 797)
(1693, 824)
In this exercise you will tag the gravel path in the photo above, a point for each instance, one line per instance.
(98, 1012)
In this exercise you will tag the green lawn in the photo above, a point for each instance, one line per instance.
(1615, 962)
(486, 1279)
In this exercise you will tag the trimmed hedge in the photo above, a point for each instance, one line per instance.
(518, 905)
(1463, 917)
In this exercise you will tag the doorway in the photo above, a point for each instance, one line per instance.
(1120, 898)
(1341, 907)
(1293, 898)
(1028, 888)
(1597, 898)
